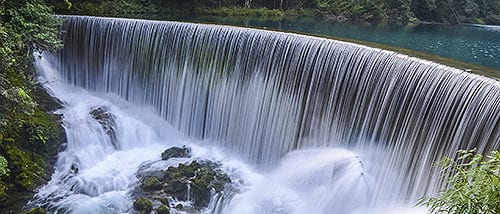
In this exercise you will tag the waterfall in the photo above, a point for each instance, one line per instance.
(264, 94)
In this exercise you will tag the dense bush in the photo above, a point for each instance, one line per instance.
(367, 10)
(27, 27)
(473, 185)
(457, 11)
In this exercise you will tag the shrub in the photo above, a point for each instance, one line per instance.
(473, 185)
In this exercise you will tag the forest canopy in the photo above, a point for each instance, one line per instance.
(399, 11)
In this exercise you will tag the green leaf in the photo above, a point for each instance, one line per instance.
(473, 188)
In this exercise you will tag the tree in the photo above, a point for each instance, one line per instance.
(26, 27)
(473, 185)
(398, 11)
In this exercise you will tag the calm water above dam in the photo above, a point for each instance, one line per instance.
(478, 44)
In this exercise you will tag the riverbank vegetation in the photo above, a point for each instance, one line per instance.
(373, 11)
(29, 137)
(473, 185)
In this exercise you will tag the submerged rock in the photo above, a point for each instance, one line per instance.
(176, 152)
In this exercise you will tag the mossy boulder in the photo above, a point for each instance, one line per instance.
(194, 181)
(163, 210)
(37, 210)
(143, 205)
(202, 177)
(176, 152)
(151, 183)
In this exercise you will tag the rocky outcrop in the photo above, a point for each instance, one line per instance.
(193, 182)
(143, 205)
(107, 120)
(176, 152)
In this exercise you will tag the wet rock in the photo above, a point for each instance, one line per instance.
(46, 100)
(195, 181)
(143, 172)
(177, 189)
(163, 210)
(176, 152)
(74, 169)
(333, 18)
(202, 177)
(107, 120)
(151, 183)
(164, 201)
(143, 205)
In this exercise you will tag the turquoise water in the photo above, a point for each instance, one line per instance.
(478, 44)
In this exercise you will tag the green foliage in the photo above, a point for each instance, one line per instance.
(4, 170)
(23, 166)
(36, 210)
(68, 4)
(242, 11)
(121, 7)
(110, 8)
(457, 11)
(41, 128)
(393, 11)
(364, 10)
(397, 11)
(27, 27)
(473, 185)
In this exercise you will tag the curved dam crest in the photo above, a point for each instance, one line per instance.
(264, 94)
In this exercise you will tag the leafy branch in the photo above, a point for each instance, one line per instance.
(473, 185)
